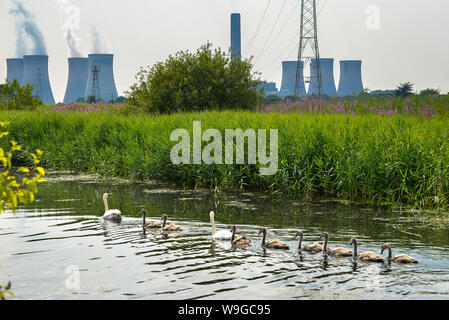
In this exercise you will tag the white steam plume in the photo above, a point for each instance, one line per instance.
(30, 40)
(98, 44)
(71, 18)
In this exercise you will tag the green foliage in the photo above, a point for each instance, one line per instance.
(5, 290)
(11, 191)
(404, 90)
(205, 80)
(430, 92)
(400, 160)
(16, 97)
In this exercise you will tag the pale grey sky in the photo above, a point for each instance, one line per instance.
(410, 43)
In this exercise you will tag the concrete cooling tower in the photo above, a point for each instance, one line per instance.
(236, 38)
(327, 77)
(77, 82)
(350, 77)
(15, 69)
(35, 72)
(101, 82)
(289, 69)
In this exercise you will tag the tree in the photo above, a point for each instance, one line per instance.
(16, 97)
(404, 90)
(204, 80)
(430, 92)
(13, 192)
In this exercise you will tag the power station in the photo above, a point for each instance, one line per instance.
(350, 77)
(77, 81)
(327, 77)
(35, 72)
(289, 70)
(100, 81)
(14, 69)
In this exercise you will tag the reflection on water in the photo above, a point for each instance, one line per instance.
(63, 231)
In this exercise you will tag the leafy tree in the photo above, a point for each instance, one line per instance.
(16, 97)
(91, 99)
(204, 80)
(404, 90)
(430, 92)
(12, 191)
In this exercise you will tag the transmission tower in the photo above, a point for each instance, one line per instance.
(96, 93)
(308, 37)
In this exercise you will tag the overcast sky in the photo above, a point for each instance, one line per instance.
(398, 40)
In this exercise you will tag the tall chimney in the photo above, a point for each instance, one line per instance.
(35, 72)
(101, 77)
(236, 38)
(350, 77)
(77, 81)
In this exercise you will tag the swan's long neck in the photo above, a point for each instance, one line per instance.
(144, 219)
(325, 245)
(106, 207)
(264, 235)
(389, 252)
(354, 254)
(212, 222)
(300, 243)
(164, 222)
(233, 234)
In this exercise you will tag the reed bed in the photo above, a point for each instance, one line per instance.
(401, 160)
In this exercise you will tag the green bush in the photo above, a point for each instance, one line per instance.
(16, 97)
(205, 80)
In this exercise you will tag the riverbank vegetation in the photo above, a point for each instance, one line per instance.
(397, 159)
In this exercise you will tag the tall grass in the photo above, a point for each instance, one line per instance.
(398, 160)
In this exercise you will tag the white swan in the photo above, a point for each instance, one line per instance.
(220, 235)
(111, 215)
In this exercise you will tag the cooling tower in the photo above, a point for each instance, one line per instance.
(15, 69)
(77, 82)
(327, 77)
(289, 69)
(35, 71)
(101, 82)
(236, 38)
(350, 77)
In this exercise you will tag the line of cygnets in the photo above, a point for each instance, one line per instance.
(242, 241)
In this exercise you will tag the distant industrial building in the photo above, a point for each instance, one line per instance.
(350, 77)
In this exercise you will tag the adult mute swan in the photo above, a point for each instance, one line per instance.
(113, 214)
(220, 235)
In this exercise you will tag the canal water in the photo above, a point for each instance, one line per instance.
(61, 248)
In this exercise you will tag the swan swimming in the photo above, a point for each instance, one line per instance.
(113, 214)
(220, 235)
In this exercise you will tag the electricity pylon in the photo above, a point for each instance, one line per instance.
(309, 38)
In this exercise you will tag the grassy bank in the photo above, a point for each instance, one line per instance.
(400, 160)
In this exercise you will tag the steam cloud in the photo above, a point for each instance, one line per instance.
(30, 40)
(71, 23)
(98, 44)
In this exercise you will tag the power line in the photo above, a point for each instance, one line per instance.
(251, 43)
(292, 41)
(271, 32)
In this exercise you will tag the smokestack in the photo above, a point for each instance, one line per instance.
(101, 83)
(15, 69)
(289, 69)
(35, 72)
(236, 38)
(350, 77)
(327, 77)
(77, 82)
